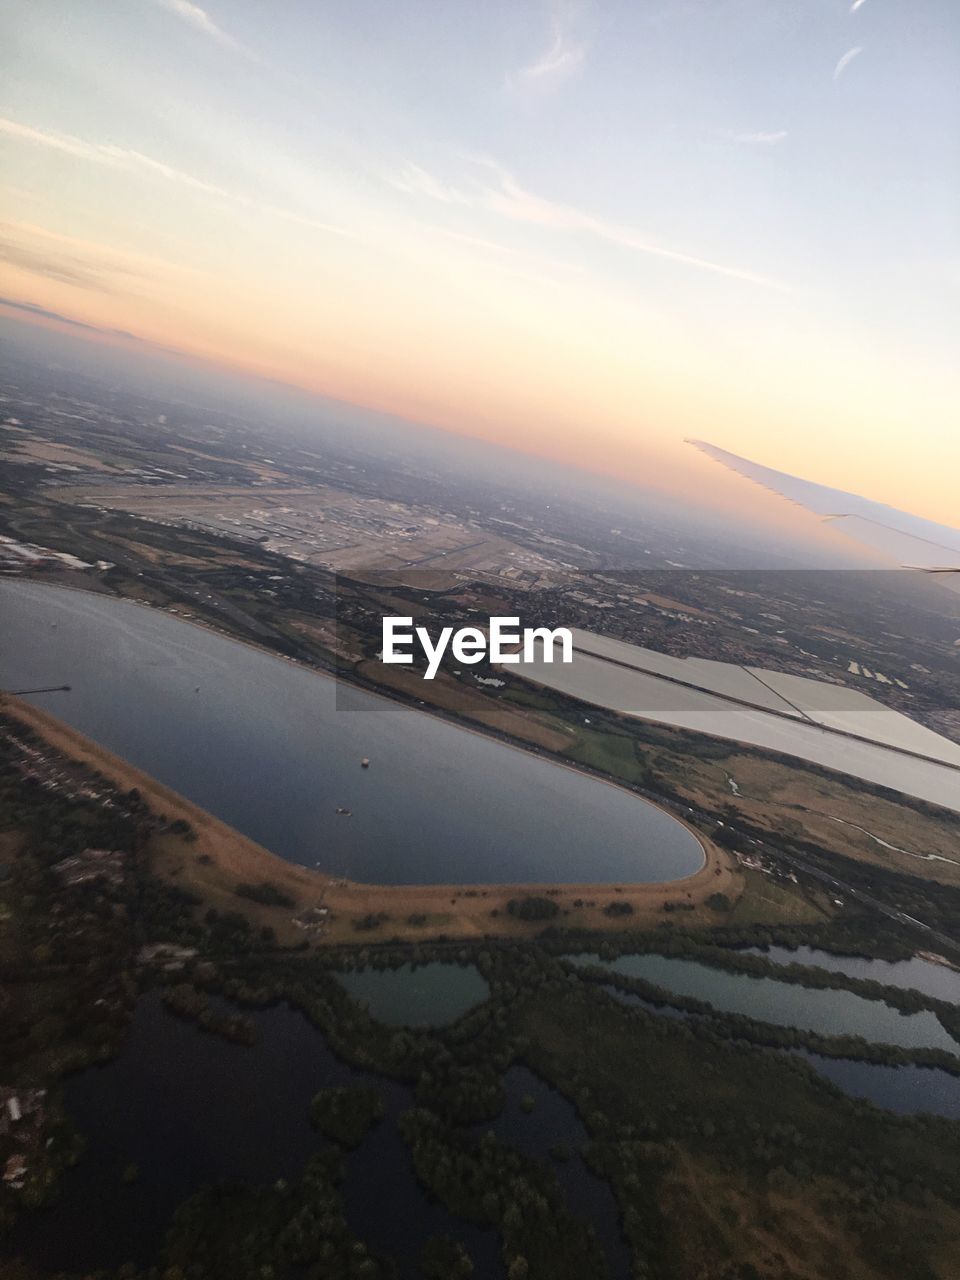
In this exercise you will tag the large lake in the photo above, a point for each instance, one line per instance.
(275, 749)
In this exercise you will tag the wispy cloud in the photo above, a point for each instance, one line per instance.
(498, 192)
(200, 20)
(104, 153)
(515, 263)
(89, 264)
(563, 54)
(44, 313)
(53, 266)
(856, 5)
(114, 260)
(757, 139)
(845, 61)
(413, 180)
(128, 160)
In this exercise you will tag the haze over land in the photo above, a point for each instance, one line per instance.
(761, 531)
(585, 231)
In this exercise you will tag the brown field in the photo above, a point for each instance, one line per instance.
(449, 695)
(664, 602)
(800, 801)
(229, 859)
(41, 451)
(766, 900)
(779, 1232)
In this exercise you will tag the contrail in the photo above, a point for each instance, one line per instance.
(845, 61)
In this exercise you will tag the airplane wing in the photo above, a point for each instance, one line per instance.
(908, 540)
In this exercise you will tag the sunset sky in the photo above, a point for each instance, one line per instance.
(584, 229)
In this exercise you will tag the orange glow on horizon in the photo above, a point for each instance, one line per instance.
(584, 264)
(552, 413)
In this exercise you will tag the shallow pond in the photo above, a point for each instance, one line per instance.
(553, 1120)
(426, 995)
(905, 1090)
(785, 1004)
(937, 980)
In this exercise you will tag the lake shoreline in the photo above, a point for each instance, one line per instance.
(410, 912)
(396, 697)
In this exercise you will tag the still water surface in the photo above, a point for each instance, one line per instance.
(905, 1090)
(190, 1109)
(275, 750)
(785, 1004)
(553, 1122)
(426, 995)
(271, 749)
(937, 980)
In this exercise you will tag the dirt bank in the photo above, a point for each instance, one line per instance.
(220, 858)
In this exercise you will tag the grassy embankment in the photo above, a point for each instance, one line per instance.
(778, 1180)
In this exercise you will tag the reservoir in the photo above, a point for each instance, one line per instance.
(275, 750)
(906, 1090)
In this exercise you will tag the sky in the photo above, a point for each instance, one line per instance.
(586, 230)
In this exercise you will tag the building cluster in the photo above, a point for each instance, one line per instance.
(167, 956)
(312, 920)
(754, 862)
(91, 864)
(21, 1127)
(33, 763)
(15, 557)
